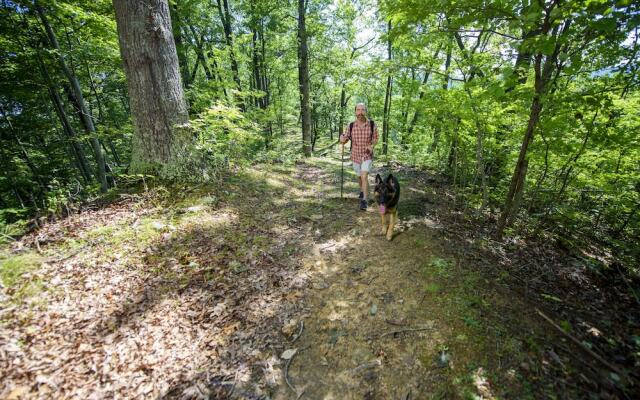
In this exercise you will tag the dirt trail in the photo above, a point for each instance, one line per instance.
(201, 295)
(390, 320)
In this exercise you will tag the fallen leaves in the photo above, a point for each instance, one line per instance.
(151, 302)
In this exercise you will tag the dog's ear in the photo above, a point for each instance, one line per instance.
(391, 182)
(378, 179)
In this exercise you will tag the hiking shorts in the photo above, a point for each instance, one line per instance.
(365, 166)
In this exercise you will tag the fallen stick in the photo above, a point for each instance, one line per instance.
(406, 330)
(286, 370)
(579, 343)
(299, 333)
(371, 364)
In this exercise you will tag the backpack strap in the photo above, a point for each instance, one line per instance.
(373, 125)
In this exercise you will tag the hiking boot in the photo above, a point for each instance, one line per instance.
(361, 196)
(363, 205)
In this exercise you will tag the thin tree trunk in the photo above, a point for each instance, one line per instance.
(225, 17)
(77, 93)
(480, 168)
(342, 106)
(421, 94)
(194, 71)
(183, 59)
(25, 155)
(542, 77)
(256, 67)
(265, 78)
(543, 176)
(445, 86)
(199, 44)
(58, 106)
(387, 96)
(519, 174)
(303, 77)
(621, 229)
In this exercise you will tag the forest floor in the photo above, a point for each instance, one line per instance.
(270, 285)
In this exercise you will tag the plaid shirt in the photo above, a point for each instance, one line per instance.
(360, 137)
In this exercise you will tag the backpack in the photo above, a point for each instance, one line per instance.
(373, 125)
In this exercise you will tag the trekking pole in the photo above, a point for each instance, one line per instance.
(341, 169)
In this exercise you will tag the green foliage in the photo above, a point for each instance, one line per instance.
(463, 82)
(15, 274)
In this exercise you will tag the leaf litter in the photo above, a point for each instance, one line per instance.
(149, 298)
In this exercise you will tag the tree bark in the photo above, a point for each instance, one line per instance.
(225, 17)
(542, 77)
(303, 77)
(199, 49)
(150, 61)
(387, 97)
(422, 92)
(78, 151)
(24, 154)
(183, 59)
(79, 98)
(445, 87)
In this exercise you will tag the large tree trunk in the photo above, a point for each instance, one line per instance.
(85, 116)
(303, 75)
(150, 63)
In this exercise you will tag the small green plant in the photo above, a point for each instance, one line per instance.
(16, 274)
(432, 288)
(437, 266)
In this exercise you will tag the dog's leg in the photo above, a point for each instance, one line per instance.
(383, 219)
(392, 220)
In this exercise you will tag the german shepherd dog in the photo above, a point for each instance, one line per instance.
(387, 193)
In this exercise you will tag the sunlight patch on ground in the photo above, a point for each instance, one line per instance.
(417, 191)
(332, 245)
(409, 223)
(220, 217)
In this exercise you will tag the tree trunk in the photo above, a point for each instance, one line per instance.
(225, 17)
(303, 77)
(150, 63)
(78, 151)
(387, 97)
(342, 108)
(263, 66)
(445, 87)
(519, 173)
(255, 59)
(183, 59)
(79, 98)
(199, 49)
(542, 77)
(25, 155)
(422, 91)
